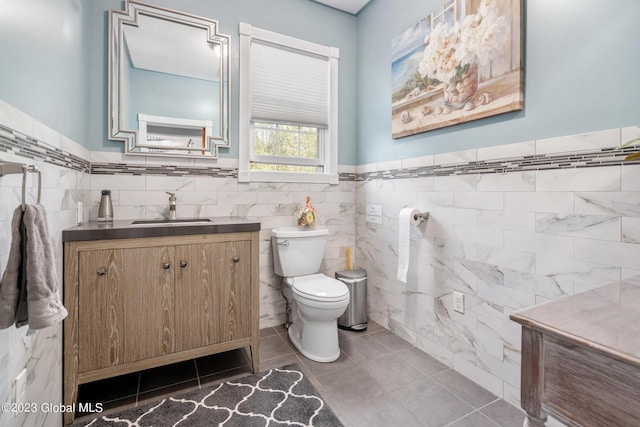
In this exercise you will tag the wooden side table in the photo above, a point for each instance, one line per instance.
(581, 358)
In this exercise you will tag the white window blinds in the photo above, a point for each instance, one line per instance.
(288, 85)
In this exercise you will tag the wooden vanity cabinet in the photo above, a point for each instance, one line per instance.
(205, 312)
(139, 303)
(101, 317)
(201, 297)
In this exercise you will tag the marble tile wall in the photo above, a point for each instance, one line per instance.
(510, 227)
(64, 181)
(215, 191)
(71, 174)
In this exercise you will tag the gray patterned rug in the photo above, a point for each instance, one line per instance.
(279, 397)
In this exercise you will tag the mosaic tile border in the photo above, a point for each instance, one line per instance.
(585, 159)
(173, 170)
(163, 170)
(31, 148)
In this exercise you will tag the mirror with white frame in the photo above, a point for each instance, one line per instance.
(168, 82)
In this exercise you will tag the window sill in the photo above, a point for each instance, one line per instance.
(270, 176)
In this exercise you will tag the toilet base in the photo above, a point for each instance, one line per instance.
(294, 336)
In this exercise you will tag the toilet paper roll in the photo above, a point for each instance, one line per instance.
(406, 218)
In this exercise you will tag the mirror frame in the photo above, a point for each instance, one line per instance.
(130, 137)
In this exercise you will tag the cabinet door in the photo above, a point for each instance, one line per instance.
(149, 302)
(232, 263)
(100, 309)
(197, 303)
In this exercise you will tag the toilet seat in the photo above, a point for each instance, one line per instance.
(319, 287)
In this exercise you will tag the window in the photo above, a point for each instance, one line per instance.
(282, 147)
(288, 109)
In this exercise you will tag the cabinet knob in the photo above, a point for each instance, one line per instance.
(183, 264)
(101, 271)
(166, 265)
(236, 259)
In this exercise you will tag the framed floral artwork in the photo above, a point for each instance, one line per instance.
(462, 62)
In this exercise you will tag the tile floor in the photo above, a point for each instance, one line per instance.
(379, 380)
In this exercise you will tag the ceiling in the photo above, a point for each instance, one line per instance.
(350, 6)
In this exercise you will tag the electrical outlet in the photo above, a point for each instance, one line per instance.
(458, 301)
(21, 388)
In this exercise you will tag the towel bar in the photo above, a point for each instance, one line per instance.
(7, 168)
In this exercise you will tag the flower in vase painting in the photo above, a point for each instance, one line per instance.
(459, 63)
(451, 49)
(438, 52)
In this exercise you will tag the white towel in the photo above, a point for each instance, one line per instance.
(44, 307)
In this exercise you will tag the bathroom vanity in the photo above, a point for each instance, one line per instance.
(581, 358)
(151, 294)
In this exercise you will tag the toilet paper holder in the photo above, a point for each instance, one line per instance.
(421, 217)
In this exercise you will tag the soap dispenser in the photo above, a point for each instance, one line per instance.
(105, 210)
(172, 206)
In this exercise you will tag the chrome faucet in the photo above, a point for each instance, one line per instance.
(172, 205)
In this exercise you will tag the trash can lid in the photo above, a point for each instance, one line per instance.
(358, 273)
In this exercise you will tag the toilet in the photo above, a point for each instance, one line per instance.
(316, 300)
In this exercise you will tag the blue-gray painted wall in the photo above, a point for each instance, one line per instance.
(43, 66)
(582, 62)
(303, 19)
(54, 55)
(582, 74)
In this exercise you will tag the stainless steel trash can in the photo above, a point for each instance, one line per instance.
(355, 316)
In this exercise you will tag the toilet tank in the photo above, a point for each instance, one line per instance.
(297, 252)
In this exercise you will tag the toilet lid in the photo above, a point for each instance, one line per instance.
(320, 288)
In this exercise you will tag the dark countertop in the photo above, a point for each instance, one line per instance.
(124, 229)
